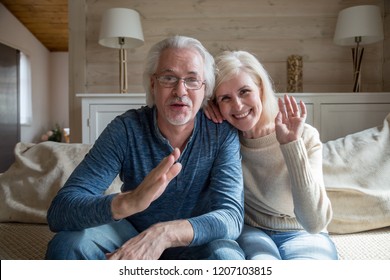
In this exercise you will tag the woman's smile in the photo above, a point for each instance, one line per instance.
(242, 115)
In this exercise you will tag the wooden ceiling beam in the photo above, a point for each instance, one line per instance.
(46, 19)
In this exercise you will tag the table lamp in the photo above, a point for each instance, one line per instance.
(357, 26)
(121, 29)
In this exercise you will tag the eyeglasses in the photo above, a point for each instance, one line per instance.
(170, 81)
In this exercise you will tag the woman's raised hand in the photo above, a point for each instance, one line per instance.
(290, 120)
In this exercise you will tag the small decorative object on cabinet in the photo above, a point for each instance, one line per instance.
(294, 73)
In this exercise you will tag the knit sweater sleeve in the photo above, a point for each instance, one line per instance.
(304, 164)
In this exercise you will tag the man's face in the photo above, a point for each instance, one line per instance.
(178, 105)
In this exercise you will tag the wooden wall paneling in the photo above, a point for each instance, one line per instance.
(239, 28)
(223, 8)
(323, 72)
(108, 75)
(271, 30)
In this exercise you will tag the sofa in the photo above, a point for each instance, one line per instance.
(356, 174)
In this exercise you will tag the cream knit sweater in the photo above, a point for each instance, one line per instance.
(284, 185)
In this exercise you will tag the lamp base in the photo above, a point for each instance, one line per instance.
(357, 56)
(123, 70)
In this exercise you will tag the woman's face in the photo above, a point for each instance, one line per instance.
(239, 101)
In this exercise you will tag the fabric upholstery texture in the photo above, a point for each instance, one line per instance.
(22, 241)
(357, 179)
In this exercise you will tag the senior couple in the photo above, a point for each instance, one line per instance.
(189, 176)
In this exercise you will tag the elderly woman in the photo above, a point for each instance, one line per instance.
(286, 206)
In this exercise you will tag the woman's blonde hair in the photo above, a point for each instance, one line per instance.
(231, 63)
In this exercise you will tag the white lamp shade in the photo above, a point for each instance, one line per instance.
(360, 21)
(121, 23)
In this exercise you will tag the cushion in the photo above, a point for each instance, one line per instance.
(39, 171)
(357, 179)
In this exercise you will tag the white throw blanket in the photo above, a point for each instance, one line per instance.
(40, 170)
(357, 179)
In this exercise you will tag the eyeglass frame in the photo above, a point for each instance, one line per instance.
(177, 82)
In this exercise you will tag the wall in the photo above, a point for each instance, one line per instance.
(50, 79)
(59, 88)
(271, 29)
(18, 37)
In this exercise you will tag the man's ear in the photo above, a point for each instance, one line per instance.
(153, 86)
(152, 83)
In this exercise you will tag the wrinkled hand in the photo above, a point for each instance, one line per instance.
(212, 112)
(144, 246)
(290, 121)
(151, 243)
(153, 185)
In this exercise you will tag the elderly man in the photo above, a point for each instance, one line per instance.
(182, 192)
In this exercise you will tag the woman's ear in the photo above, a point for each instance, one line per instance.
(261, 89)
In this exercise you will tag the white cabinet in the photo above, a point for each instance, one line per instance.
(333, 114)
(97, 111)
(341, 119)
(337, 114)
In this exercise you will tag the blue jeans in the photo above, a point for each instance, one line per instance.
(261, 244)
(94, 243)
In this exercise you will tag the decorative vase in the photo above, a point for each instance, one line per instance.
(294, 73)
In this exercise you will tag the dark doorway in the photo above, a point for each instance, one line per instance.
(9, 105)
